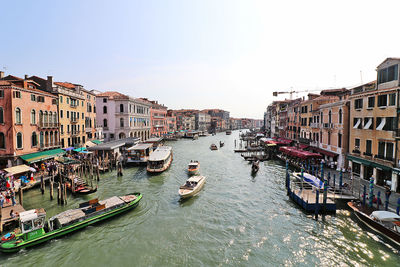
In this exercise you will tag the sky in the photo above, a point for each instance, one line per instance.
(201, 54)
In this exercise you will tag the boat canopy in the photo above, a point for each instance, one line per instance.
(161, 153)
(141, 146)
(193, 164)
(28, 215)
(154, 140)
(311, 179)
(383, 215)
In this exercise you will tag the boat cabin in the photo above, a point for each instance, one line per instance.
(159, 158)
(155, 141)
(193, 165)
(389, 219)
(32, 222)
(139, 153)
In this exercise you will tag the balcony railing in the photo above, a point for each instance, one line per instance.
(44, 146)
(314, 125)
(73, 105)
(328, 125)
(48, 124)
(74, 120)
(356, 151)
(75, 133)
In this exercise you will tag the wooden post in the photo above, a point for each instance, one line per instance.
(58, 194)
(316, 204)
(20, 197)
(51, 189)
(98, 173)
(42, 184)
(65, 194)
(1, 221)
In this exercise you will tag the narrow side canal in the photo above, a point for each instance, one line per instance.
(237, 220)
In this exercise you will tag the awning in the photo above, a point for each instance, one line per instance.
(357, 123)
(368, 124)
(382, 124)
(97, 142)
(69, 148)
(368, 163)
(90, 144)
(18, 169)
(39, 156)
(325, 152)
(79, 149)
(303, 146)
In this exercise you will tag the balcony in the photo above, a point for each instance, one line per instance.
(328, 125)
(367, 154)
(51, 145)
(74, 120)
(75, 133)
(47, 125)
(383, 157)
(356, 151)
(314, 125)
(73, 105)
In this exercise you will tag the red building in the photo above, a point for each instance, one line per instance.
(158, 118)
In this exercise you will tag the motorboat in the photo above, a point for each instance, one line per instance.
(194, 167)
(160, 159)
(213, 147)
(384, 222)
(228, 132)
(192, 186)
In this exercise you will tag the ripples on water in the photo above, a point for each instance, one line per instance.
(237, 219)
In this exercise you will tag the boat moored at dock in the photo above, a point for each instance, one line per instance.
(160, 159)
(34, 230)
(192, 186)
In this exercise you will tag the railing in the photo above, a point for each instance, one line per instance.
(72, 105)
(43, 146)
(356, 151)
(48, 124)
(75, 133)
(74, 120)
(314, 125)
(328, 125)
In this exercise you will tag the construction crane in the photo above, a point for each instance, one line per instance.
(293, 91)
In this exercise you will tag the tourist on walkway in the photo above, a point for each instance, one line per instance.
(1, 199)
(13, 197)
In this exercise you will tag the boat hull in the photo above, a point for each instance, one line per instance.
(74, 227)
(374, 225)
(164, 167)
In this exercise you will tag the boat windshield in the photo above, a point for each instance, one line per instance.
(156, 164)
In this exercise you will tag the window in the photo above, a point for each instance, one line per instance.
(368, 123)
(61, 113)
(2, 141)
(61, 99)
(67, 114)
(388, 74)
(340, 116)
(1, 115)
(62, 128)
(339, 140)
(67, 100)
(19, 140)
(357, 143)
(371, 101)
(40, 99)
(105, 109)
(330, 117)
(358, 103)
(34, 139)
(368, 147)
(121, 108)
(329, 138)
(33, 116)
(105, 123)
(121, 122)
(1, 93)
(104, 100)
(392, 99)
(68, 128)
(381, 149)
(33, 97)
(389, 151)
(382, 100)
(390, 124)
(111, 135)
(357, 123)
(18, 115)
(17, 94)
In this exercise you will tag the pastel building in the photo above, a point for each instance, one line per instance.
(28, 119)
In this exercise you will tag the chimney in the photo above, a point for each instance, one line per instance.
(49, 84)
(1, 74)
(26, 76)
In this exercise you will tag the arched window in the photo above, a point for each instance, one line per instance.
(55, 118)
(121, 136)
(121, 122)
(2, 141)
(17, 115)
(34, 139)
(121, 108)
(41, 139)
(1, 115)
(41, 117)
(105, 123)
(19, 140)
(46, 118)
(340, 115)
(50, 117)
(330, 117)
(105, 109)
(33, 116)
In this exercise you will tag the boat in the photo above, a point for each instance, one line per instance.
(228, 132)
(221, 144)
(384, 222)
(139, 153)
(194, 167)
(310, 179)
(213, 147)
(160, 159)
(80, 188)
(255, 166)
(35, 230)
(192, 186)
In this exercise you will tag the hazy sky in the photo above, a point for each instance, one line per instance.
(200, 54)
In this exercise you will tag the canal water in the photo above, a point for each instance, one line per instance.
(236, 220)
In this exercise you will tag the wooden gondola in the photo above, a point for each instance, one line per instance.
(255, 166)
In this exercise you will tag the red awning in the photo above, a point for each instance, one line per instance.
(292, 151)
(325, 152)
(303, 146)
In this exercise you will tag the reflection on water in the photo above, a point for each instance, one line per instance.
(237, 219)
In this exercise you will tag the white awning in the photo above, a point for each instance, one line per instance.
(368, 124)
(357, 123)
(385, 215)
(382, 124)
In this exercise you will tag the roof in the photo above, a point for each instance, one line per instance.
(113, 95)
(385, 215)
(194, 163)
(130, 141)
(97, 142)
(154, 140)
(43, 155)
(195, 178)
(161, 153)
(65, 84)
(141, 146)
(18, 169)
